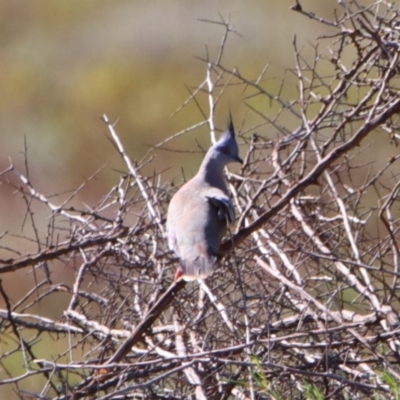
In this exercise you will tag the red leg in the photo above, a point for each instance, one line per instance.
(178, 274)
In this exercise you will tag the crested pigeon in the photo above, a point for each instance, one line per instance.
(200, 211)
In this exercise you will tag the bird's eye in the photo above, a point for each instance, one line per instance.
(225, 150)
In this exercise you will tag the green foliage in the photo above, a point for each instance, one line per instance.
(258, 374)
(261, 382)
(312, 392)
(391, 381)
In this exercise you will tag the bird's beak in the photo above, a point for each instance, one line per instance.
(239, 160)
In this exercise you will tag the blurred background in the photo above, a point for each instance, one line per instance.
(64, 64)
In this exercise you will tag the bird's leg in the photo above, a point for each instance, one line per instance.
(178, 274)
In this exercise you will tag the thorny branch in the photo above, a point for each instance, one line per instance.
(306, 291)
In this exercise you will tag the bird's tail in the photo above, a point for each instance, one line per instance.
(200, 268)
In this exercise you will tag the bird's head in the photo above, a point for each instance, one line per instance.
(226, 149)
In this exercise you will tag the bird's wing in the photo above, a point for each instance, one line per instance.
(226, 210)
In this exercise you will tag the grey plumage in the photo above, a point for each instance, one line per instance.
(201, 209)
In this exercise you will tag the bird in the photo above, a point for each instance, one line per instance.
(201, 210)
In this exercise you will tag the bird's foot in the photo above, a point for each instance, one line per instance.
(178, 274)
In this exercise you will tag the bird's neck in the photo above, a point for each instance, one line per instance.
(213, 172)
